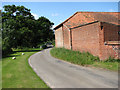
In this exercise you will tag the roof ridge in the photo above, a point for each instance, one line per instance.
(80, 12)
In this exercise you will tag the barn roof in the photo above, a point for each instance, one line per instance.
(88, 17)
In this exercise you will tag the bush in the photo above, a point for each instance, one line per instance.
(44, 46)
(53, 42)
(6, 50)
(38, 46)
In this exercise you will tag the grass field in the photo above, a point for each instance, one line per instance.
(0, 74)
(84, 59)
(17, 73)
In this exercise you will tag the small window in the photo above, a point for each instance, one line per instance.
(101, 27)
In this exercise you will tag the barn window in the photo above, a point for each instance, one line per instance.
(101, 27)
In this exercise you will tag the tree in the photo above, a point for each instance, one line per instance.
(42, 31)
(0, 35)
(20, 29)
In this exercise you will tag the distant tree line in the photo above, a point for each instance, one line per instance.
(21, 29)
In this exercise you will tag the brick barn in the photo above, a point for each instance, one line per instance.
(93, 32)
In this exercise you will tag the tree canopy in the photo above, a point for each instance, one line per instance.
(21, 29)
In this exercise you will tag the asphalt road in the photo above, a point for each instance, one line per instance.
(60, 74)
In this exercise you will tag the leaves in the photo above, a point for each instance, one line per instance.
(22, 30)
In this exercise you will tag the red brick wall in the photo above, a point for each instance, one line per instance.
(66, 38)
(89, 37)
(79, 19)
(59, 37)
(108, 33)
(109, 51)
(86, 38)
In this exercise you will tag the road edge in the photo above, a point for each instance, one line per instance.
(35, 69)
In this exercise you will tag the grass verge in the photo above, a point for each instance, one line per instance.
(17, 73)
(84, 59)
(0, 74)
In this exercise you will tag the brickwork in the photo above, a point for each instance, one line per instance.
(86, 38)
(66, 35)
(90, 37)
(110, 51)
(108, 33)
(59, 37)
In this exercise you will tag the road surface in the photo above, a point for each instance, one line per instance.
(61, 74)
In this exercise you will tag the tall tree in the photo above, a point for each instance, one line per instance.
(20, 29)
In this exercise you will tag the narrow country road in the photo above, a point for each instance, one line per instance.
(60, 74)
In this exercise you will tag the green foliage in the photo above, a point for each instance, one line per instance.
(44, 46)
(107, 65)
(75, 57)
(6, 49)
(20, 29)
(79, 58)
(53, 42)
(0, 51)
(110, 59)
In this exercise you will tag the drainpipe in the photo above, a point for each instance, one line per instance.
(70, 36)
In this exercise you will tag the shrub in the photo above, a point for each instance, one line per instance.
(53, 42)
(6, 50)
(44, 46)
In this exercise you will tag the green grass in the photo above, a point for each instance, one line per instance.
(18, 73)
(107, 65)
(0, 74)
(84, 59)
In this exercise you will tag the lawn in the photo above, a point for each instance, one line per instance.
(84, 59)
(0, 74)
(18, 73)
